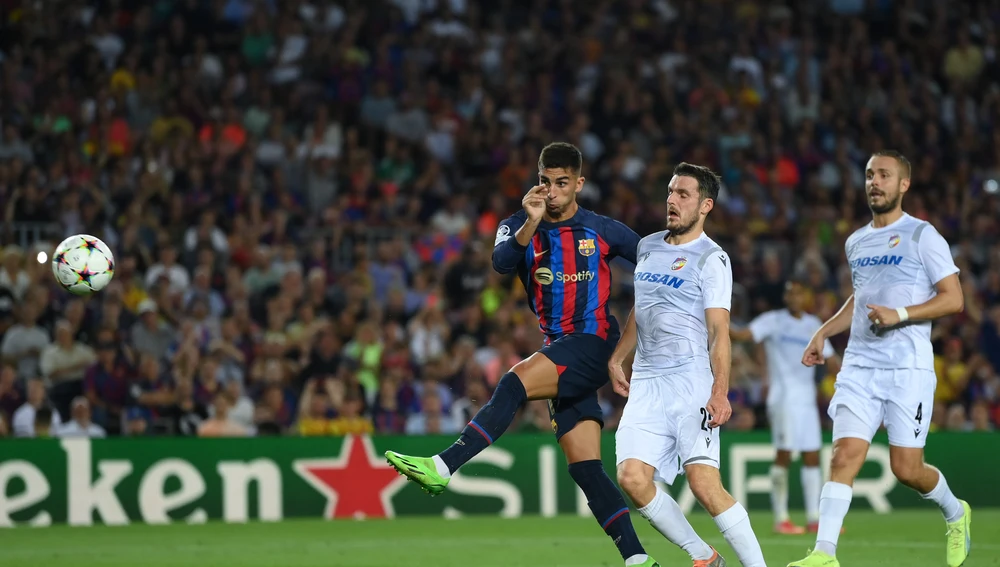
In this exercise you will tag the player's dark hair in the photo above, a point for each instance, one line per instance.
(708, 182)
(904, 164)
(798, 280)
(561, 155)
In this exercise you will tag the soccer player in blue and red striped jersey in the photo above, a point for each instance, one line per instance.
(562, 254)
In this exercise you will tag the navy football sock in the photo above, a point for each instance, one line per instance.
(489, 424)
(608, 506)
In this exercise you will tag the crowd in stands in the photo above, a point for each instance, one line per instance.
(302, 195)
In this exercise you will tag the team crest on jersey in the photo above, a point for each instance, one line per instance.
(679, 263)
(586, 246)
(893, 241)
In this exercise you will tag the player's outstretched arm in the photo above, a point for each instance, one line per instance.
(626, 344)
(720, 351)
(740, 335)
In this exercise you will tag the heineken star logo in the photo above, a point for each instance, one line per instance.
(356, 484)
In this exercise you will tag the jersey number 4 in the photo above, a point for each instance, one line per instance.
(920, 412)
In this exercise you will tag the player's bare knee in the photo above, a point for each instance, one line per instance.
(848, 457)
(636, 479)
(539, 377)
(705, 483)
(810, 459)
(783, 458)
(907, 466)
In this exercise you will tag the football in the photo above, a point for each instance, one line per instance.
(83, 264)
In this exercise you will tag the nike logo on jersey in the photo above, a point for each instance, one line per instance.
(723, 258)
(540, 254)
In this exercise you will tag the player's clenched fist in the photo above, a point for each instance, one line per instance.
(534, 202)
(814, 352)
(718, 409)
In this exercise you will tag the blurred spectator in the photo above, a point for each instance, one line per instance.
(11, 396)
(24, 420)
(315, 410)
(80, 425)
(13, 277)
(350, 418)
(980, 417)
(219, 424)
(150, 334)
(107, 382)
(23, 343)
(186, 414)
(955, 419)
(308, 191)
(136, 423)
(240, 407)
(432, 417)
(63, 364)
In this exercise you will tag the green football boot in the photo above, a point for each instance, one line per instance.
(959, 536)
(816, 559)
(420, 470)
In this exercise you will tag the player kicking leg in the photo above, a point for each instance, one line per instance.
(904, 277)
(677, 398)
(537, 378)
(561, 253)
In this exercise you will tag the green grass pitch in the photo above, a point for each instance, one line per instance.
(908, 538)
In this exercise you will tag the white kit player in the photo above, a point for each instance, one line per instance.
(677, 398)
(904, 277)
(791, 401)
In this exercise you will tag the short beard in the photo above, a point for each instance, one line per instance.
(683, 229)
(889, 206)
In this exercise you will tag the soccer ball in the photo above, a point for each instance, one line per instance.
(83, 264)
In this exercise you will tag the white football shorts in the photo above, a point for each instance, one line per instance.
(795, 424)
(902, 399)
(665, 424)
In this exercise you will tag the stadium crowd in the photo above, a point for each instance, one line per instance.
(302, 194)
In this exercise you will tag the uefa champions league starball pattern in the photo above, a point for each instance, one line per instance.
(83, 264)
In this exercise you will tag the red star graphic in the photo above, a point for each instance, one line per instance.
(356, 484)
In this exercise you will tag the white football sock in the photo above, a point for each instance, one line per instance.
(833, 506)
(441, 467)
(668, 519)
(945, 498)
(735, 526)
(779, 493)
(812, 482)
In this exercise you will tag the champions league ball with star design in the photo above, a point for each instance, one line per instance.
(83, 264)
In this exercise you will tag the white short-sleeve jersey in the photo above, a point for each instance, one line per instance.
(674, 285)
(895, 266)
(784, 338)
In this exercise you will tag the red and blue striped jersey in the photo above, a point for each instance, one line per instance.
(566, 270)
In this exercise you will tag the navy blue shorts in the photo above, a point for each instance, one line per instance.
(582, 360)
